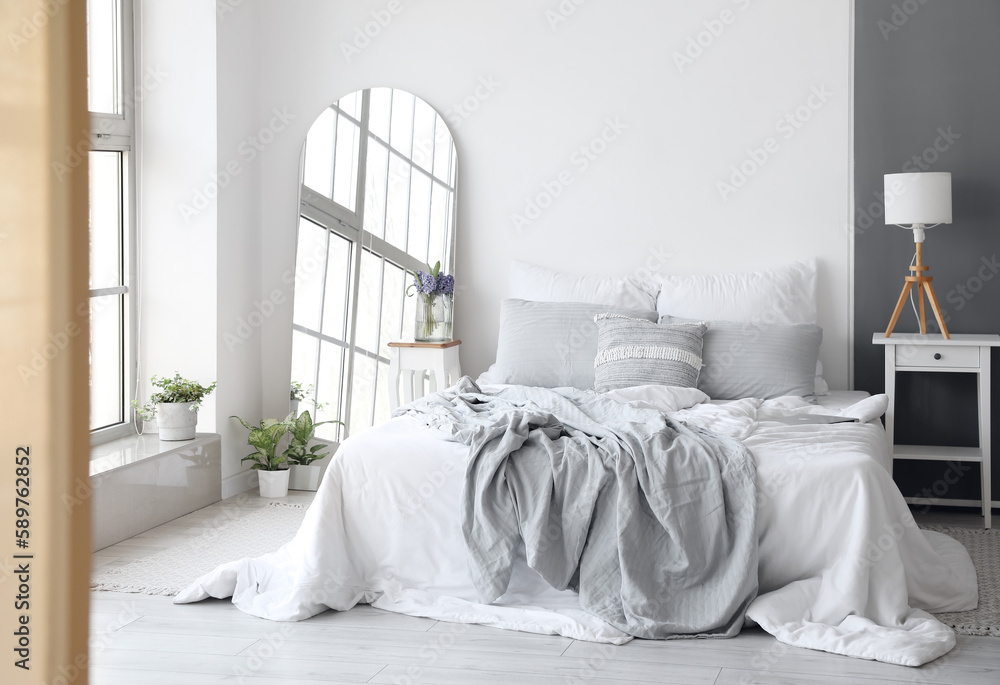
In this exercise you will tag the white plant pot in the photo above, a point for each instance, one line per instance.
(304, 477)
(293, 406)
(273, 483)
(176, 421)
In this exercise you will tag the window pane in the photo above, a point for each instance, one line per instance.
(397, 203)
(105, 219)
(375, 187)
(351, 104)
(338, 279)
(106, 363)
(443, 146)
(369, 296)
(329, 388)
(379, 109)
(382, 394)
(305, 351)
(440, 221)
(345, 177)
(402, 122)
(362, 392)
(420, 209)
(409, 313)
(318, 169)
(393, 292)
(310, 258)
(454, 167)
(103, 60)
(423, 134)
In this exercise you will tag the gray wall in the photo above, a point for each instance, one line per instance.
(927, 86)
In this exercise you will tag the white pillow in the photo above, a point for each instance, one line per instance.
(538, 284)
(782, 295)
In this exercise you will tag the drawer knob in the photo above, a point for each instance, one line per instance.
(937, 355)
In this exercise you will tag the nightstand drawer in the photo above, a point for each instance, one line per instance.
(937, 355)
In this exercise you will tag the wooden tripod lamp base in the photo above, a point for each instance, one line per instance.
(923, 283)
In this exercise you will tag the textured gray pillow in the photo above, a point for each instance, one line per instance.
(765, 361)
(551, 344)
(634, 352)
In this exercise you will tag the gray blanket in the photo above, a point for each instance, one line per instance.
(651, 521)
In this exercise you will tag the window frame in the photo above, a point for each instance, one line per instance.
(117, 132)
(336, 219)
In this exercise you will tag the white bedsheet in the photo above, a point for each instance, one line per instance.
(843, 568)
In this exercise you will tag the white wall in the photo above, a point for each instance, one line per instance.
(176, 123)
(652, 191)
(241, 266)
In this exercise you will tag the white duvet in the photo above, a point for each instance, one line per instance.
(843, 567)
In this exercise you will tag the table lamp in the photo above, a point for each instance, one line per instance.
(917, 202)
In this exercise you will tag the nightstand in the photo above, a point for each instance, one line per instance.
(962, 353)
(409, 361)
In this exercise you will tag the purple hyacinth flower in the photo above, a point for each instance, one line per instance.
(446, 284)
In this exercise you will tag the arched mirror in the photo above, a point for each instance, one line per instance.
(377, 200)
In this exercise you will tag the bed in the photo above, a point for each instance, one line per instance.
(801, 530)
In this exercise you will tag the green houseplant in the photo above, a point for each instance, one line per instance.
(266, 459)
(296, 394)
(304, 475)
(175, 406)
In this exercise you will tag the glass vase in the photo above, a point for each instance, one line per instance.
(433, 318)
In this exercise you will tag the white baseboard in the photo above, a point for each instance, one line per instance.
(241, 482)
(938, 502)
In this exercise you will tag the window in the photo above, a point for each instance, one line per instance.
(377, 201)
(112, 217)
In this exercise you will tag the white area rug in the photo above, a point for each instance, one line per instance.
(984, 548)
(170, 571)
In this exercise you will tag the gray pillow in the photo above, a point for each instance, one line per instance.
(551, 344)
(633, 352)
(765, 361)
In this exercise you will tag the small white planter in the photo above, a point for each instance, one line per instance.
(304, 477)
(293, 406)
(273, 483)
(176, 421)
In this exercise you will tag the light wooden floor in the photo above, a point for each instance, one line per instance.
(144, 640)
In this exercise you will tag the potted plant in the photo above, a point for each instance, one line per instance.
(175, 406)
(296, 395)
(266, 460)
(304, 475)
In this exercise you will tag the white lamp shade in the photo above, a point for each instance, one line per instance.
(923, 198)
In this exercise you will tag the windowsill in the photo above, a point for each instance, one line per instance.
(135, 448)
